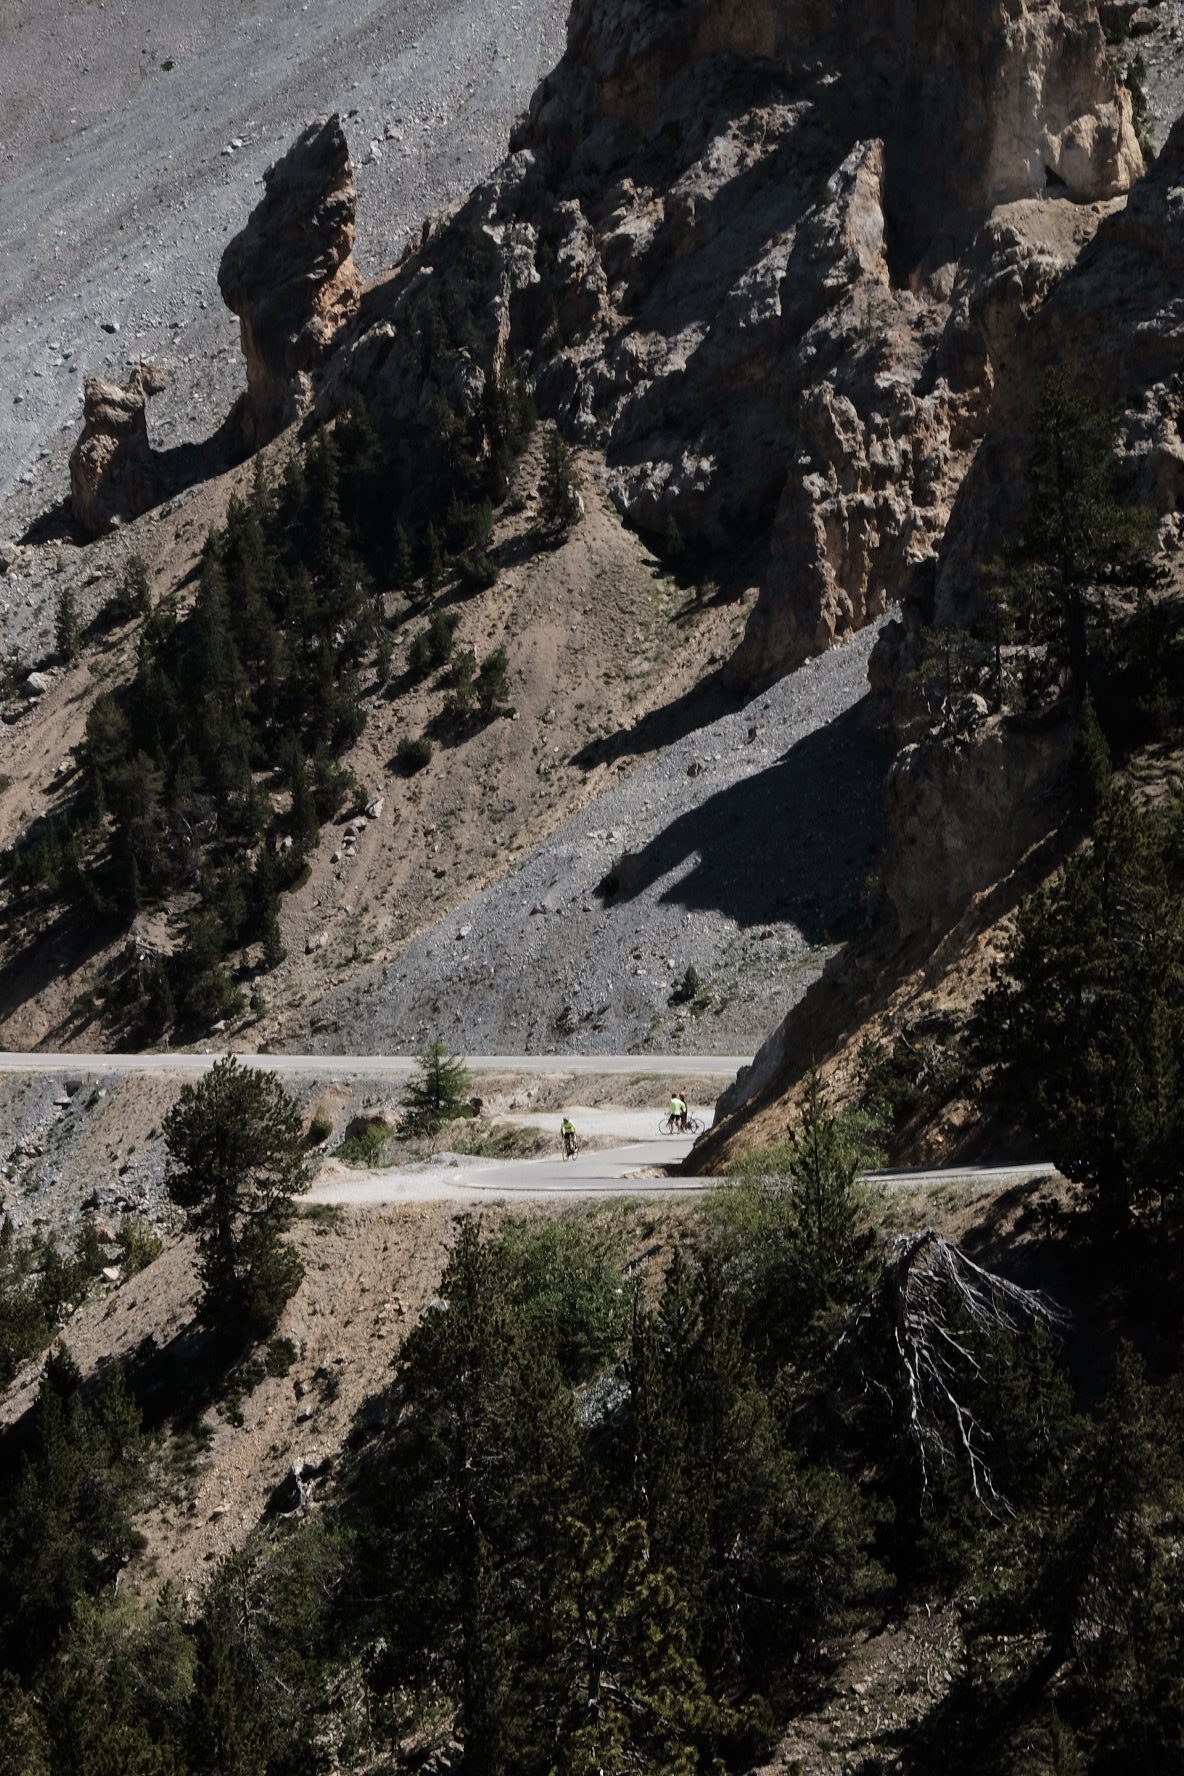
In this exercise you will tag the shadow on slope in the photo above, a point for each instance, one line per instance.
(791, 843)
(178, 467)
(704, 703)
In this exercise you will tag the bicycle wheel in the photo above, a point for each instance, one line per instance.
(694, 1126)
(665, 1127)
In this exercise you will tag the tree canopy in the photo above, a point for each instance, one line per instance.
(235, 1166)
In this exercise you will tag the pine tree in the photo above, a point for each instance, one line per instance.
(493, 683)
(363, 477)
(302, 819)
(235, 1165)
(1077, 539)
(135, 583)
(559, 489)
(1085, 1023)
(266, 898)
(67, 633)
(433, 562)
(439, 1091)
(131, 597)
(402, 561)
(631, 1694)
(1092, 767)
(24, 1743)
(828, 1205)
(67, 1530)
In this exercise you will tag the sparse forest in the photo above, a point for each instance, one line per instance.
(610, 1515)
(205, 779)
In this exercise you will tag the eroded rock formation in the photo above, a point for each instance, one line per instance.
(290, 278)
(113, 474)
(1115, 324)
(767, 257)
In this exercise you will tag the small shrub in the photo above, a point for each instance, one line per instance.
(279, 1356)
(898, 1080)
(493, 682)
(690, 990)
(365, 1141)
(462, 678)
(412, 754)
(130, 598)
(476, 569)
(382, 657)
(329, 1382)
(139, 1243)
(431, 648)
(320, 1128)
(331, 784)
(13, 672)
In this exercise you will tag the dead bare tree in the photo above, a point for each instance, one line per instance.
(943, 1306)
(946, 1314)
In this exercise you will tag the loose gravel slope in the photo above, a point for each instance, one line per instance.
(133, 137)
(748, 844)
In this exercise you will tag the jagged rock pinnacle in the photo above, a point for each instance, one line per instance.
(290, 277)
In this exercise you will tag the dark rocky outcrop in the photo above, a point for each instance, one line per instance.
(767, 258)
(290, 277)
(1115, 324)
(113, 474)
(961, 815)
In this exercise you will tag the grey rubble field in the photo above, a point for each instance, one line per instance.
(747, 856)
(133, 138)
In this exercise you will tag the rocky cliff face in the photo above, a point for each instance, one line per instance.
(768, 258)
(961, 815)
(290, 278)
(1115, 324)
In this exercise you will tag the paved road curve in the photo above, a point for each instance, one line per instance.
(610, 1171)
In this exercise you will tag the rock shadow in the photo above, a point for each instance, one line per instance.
(792, 844)
(175, 469)
(185, 465)
(704, 703)
(56, 524)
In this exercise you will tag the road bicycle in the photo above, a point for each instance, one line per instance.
(670, 1125)
(570, 1146)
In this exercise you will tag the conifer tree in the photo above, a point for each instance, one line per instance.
(1091, 762)
(439, 1090)
(131, 597)
(24, 1742)
(827, 1203)
(1077, 538)
(235, 1165)
(433, 562)
(493, 683)
(559, 487)
(67, 632)
(1085, 1023)
(302, 819)
(402, 561)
